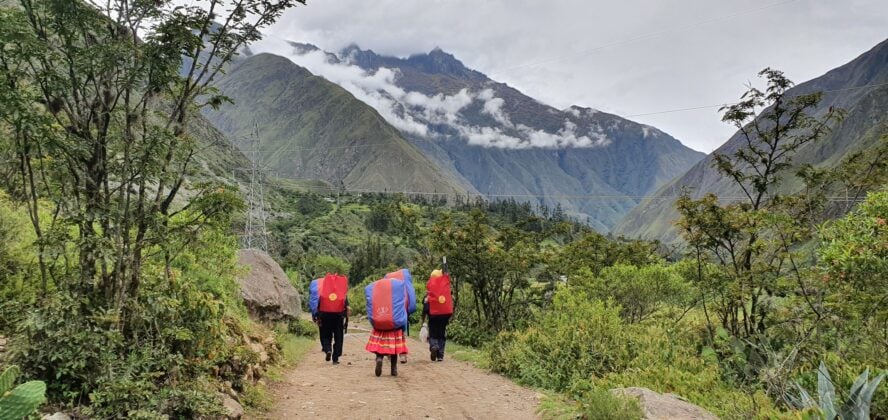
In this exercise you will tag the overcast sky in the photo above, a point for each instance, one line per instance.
(628, 57)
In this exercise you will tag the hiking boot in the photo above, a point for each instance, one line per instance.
(403, 357)
(327, 356)
(440, 355)
(433, 352)
(394, 366)
(336, 362)
(378, 365)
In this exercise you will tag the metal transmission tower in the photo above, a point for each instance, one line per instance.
(255, 234)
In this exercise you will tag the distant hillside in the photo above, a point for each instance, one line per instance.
(312, 129)
(866, 121)
(504, 143)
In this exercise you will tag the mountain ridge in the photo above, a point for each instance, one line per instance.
(859, 86)
(503, 142)
(322, 132)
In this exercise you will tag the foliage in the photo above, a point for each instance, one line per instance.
(301, 327)
(752, 236)
(494, 264)
(639, 291)
(22, 400)
(593, 252)
(372, 255)
(597, 403)
(356, 299)
(855, 250)
(323, 264)
(856, 405)
(133, 265)
(578, 338)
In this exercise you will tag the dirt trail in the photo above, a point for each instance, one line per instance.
(423, 389)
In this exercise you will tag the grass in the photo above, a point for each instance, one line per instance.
(469, 354)
(256, 397)
(556, 406)
(293, 347)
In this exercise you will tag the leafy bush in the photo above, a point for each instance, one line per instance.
(577, 339)
(303, 328)
(322, 264)
(356, 299)
(159, 359)
(467, 329)
(855, 247)
(638, 291)
(18, 265)
(597, 403)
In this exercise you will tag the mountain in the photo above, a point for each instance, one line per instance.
(503, 143)
(313, 129)
(860, 87)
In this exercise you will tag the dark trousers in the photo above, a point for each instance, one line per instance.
(438, 332)
(331, 326)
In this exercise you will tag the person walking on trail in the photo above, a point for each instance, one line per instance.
(438, 307)
(388, 306)
(404, 275)
(328, 300)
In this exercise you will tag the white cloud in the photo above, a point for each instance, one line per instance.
(493, 106)
(598, 53)
(565, 137)
(412, 112)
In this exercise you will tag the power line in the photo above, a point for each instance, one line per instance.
(602, 197)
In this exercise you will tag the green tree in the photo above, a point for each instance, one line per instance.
(595, 252)
(493, 265)
(98, 117)
(135, 263)
(371, 256)
(751, 238)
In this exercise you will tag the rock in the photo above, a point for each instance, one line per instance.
(56, 416)
(664, 406)
(266, 291)
(233, 409)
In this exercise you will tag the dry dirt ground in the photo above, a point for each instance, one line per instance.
(422, 390)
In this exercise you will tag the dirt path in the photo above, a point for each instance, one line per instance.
(423, 389)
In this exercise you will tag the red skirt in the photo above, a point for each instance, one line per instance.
(387, 342)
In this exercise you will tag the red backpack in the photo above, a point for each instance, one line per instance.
(440, 298)
(332, 290)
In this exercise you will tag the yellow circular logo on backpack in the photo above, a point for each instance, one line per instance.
(332, 296)
(441, 299)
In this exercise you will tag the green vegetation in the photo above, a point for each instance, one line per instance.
(118, 263)
(22, 400)
(559, 307)
(117, 256)
(304, 116)
(857, 405)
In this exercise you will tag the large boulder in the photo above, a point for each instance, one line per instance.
(267, 292)
(664, 406)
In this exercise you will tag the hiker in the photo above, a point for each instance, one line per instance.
(388, 306)
(438, 307)
(328, 299)
(404, 275)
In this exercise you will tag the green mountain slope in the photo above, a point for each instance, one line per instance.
(507, 144)
(313, 129)
(860, 87)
